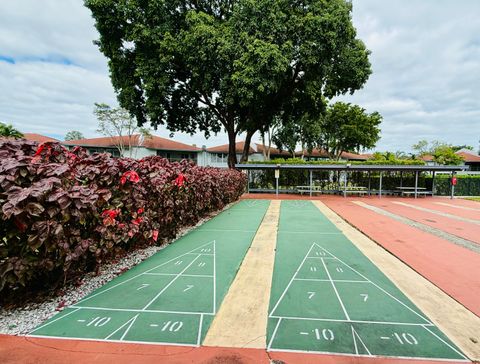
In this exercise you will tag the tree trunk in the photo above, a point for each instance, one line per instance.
(264, 150)
(232, 156)
(246, 147)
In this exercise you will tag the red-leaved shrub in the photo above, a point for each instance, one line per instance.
(64, 212)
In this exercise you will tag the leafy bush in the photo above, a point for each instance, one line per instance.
(65, 212)
(467, 185)
(368, 162)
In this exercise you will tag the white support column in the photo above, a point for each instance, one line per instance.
(416, 183)
(380, 187)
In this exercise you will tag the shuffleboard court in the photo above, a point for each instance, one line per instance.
(172, 297)
(327, 297)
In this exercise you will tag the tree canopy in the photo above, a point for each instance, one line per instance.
(8, 131)
(74, 135)
(342, 128)
(442, 153)
(232, 65)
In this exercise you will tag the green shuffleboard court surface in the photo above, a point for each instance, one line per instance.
(172, 297)
(327, 297)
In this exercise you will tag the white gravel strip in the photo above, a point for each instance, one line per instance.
(23, 319)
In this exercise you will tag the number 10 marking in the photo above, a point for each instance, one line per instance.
(407, 337)
(326, 334)
(172, 326)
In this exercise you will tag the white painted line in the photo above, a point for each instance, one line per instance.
(457, 207)
(291, 280)
(351, 321)
(199, 336)
(328, 280)
(51, 322)
(139, 310)
(274, 333)
(171, 282)
(310, 232)
(336, 292)
(214, 277)
(112, 341)
(183, 275)
(368, 356)
(380, 288)
(443, 341)
(354, 340)
(440, 213)
(153, 325)
(361, 341)
(129, 323)
(138, 275)
(229, 230)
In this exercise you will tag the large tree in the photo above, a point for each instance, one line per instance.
(347, 128)
(343, 127)
(74, 135)
(232, 64)
(8, 131)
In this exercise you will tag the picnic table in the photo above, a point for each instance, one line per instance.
(408, 191)
(355, 190)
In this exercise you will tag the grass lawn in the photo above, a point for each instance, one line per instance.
(474, 198)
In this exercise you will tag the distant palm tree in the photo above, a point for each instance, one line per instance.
(9, 131)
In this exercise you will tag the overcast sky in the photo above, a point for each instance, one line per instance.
(425, 59)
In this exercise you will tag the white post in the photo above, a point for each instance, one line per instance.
(380, 187)
(416, 183)
(311, 187)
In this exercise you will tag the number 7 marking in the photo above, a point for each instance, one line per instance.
(310, 295)
(189, 286)
(142, 286)
(365, 296)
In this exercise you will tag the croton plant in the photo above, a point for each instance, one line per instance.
(65, 212)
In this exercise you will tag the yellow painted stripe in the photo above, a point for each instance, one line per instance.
(242, 318)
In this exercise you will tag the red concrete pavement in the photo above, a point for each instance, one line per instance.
(23, 350)
(466, 230)
(459, 210)
(452, 268)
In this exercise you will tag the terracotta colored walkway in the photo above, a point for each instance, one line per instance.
(452, 268)
(20, 350)
(466, 230)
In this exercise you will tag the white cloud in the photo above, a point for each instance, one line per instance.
(426, 69)
(425, 58)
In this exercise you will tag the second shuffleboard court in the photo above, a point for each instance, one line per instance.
(172, 297)
(327, 297)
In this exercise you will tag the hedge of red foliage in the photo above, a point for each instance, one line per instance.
(65, 212)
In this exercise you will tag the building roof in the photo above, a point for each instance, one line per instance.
(155, 142)
(38, 138)
(238, 148)
(427, 158)
(469, 157)
(273, 151)
(320, 153)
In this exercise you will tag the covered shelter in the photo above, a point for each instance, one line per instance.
(346, 169)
